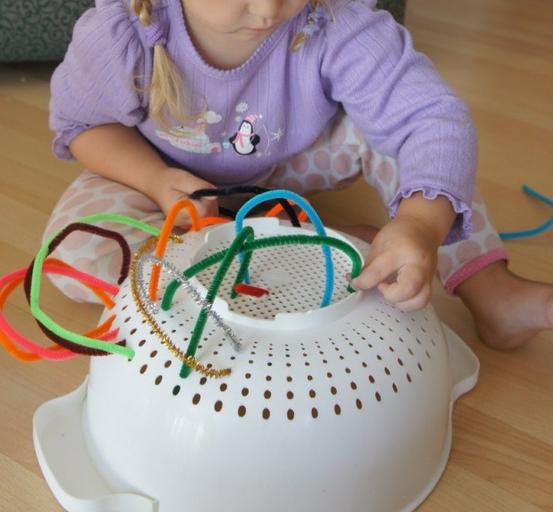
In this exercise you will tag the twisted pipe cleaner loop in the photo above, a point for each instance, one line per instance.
(9, 337)
(41, 316)
(54, 243)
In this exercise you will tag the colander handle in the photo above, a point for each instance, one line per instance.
(463, 363)
(62, 453)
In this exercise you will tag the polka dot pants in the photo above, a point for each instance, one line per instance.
(334, 161)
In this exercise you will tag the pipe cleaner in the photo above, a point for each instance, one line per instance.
(164, 338)
(245, 243)
(35, 288)
(161, 245)
(58, 239)
(542, 228)
(193, 292)
(10, 337)
(315, 220)
(247, 189)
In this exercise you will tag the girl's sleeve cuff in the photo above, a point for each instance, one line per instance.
(61, 142)
(462, 226)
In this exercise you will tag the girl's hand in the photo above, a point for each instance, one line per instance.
(403, 251)
(403, 256)
(172, 184)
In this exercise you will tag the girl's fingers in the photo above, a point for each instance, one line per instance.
(186, 183)
(210, 206)
(183, 187)
(417, 302)
(206, 206)
(376, 271)
(409, 283)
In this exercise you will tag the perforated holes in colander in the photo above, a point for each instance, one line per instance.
(300, 293)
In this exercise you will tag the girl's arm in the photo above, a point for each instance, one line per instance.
(121, 154)
(401, 105)
(96, 101)
(436, 216)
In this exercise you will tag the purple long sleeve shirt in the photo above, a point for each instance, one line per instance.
(278, 102)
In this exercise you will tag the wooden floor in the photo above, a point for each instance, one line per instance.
(498, 54)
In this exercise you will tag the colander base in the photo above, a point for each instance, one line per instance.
(78, 486)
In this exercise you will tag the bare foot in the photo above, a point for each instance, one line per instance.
(507, 309)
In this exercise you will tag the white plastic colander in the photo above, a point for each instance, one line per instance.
(344, 408)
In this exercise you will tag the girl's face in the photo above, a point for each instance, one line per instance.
(240, 19)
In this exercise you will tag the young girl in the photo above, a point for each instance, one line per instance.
(158, 99)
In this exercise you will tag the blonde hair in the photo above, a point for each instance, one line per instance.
(167, 92)
(300, 39)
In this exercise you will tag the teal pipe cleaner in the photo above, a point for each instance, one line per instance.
(313, 217)
(542, 228)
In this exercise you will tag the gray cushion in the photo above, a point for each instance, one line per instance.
(396, 7)
(32, 30)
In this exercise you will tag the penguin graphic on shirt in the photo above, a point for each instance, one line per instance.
(245, 140)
